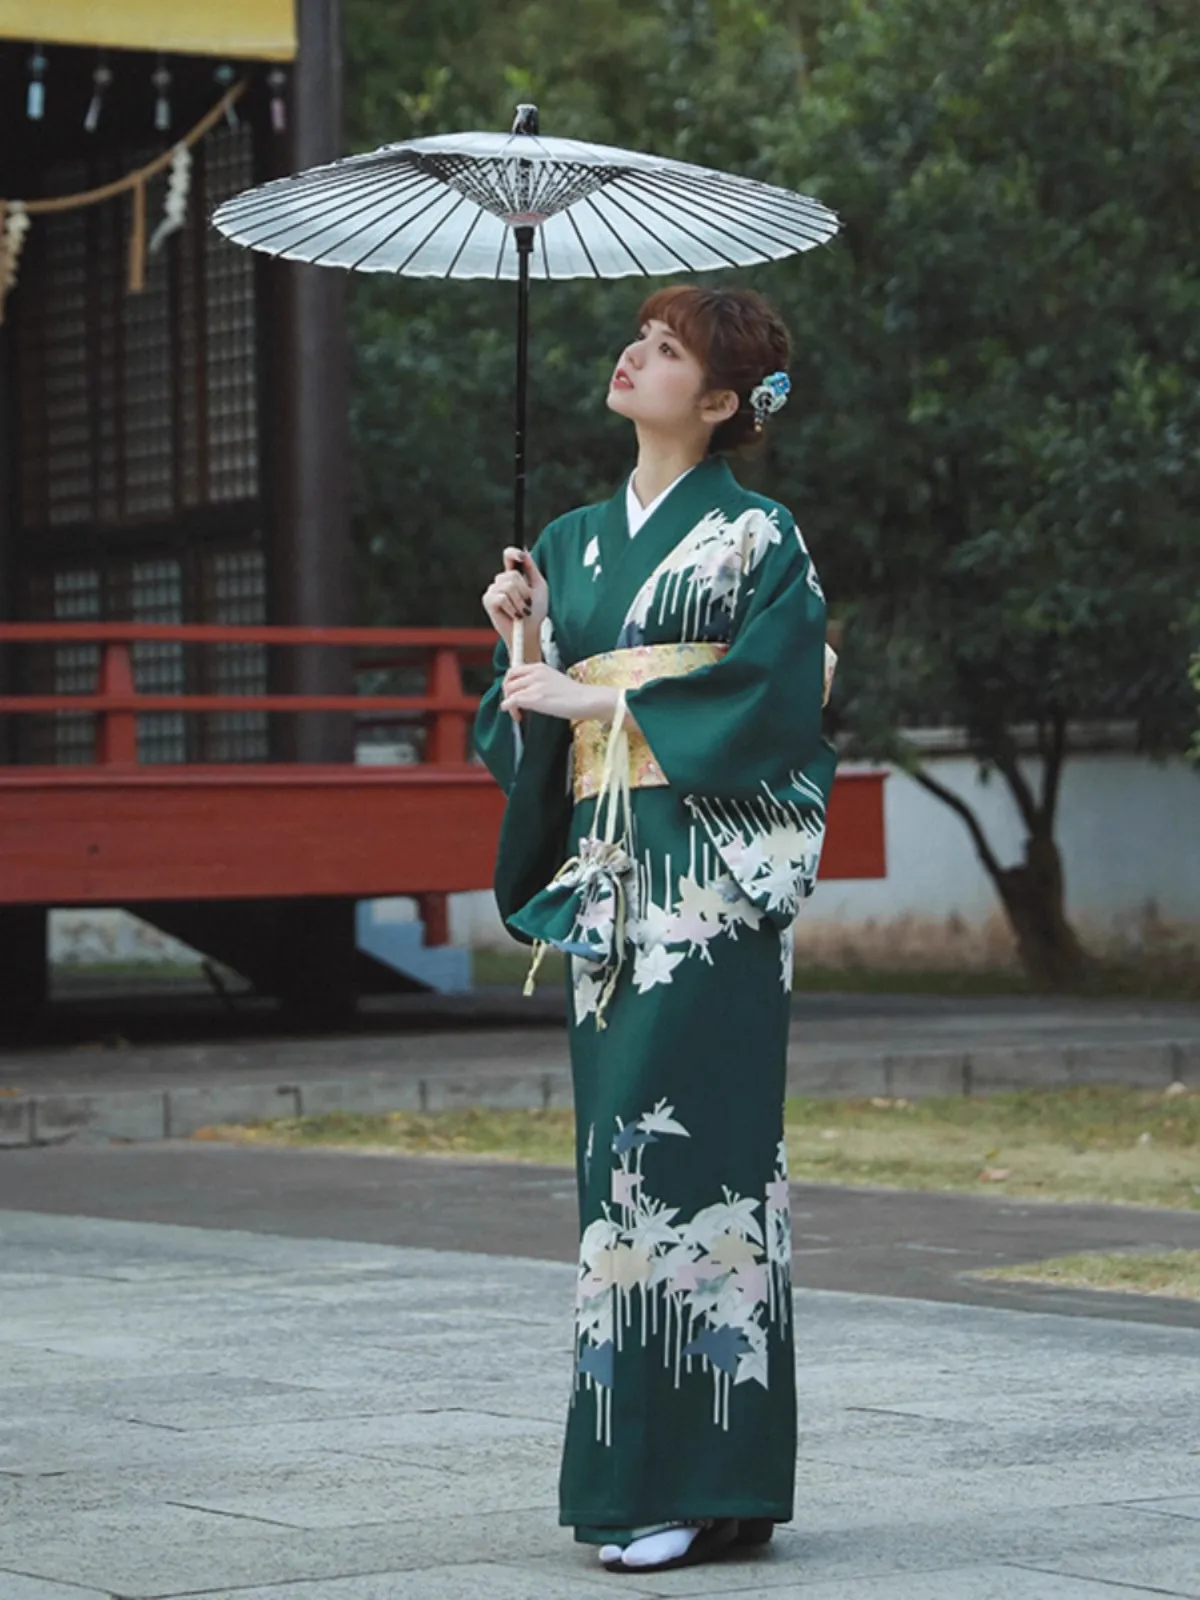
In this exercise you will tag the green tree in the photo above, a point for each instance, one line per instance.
(993, 438)
(1002, 439)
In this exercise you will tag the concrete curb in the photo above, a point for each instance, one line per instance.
(133, 1115)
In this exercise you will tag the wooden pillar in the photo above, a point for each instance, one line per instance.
(8, 542)
(307, 452)
(24, 967)
(306, 407)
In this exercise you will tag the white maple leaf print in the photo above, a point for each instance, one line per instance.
(587, 989)
(731, 1216)
(790, 841)
(694, 931)
(736, 910)
(704, 902)
(779, 885)
(598, 1237)
(746, 857)
(595, 914)
(654, 926)
(654, 966)
(732, 1250)
(628, 1266)
(652, 1228)
(752, 1283)
(670, 1263)
(708, 1288)
(661, 1120)
(742, 911)
(591, 557)
(752, 1364)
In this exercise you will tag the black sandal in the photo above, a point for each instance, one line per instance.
(754, 1531)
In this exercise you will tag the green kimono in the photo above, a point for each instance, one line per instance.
(683, 1404)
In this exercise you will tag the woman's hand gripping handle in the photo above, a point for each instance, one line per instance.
(517, 602)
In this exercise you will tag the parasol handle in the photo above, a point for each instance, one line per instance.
(523, 236)
(516, 646)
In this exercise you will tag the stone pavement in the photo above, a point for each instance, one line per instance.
(190, 1412)
(430, 1051)
(893, 1242)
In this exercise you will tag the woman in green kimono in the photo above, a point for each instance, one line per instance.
(667, 781)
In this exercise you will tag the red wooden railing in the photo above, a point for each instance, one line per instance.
(445, 709)
(123, 831)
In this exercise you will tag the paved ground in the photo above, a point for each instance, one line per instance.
(881, 1241)
(204, 1412)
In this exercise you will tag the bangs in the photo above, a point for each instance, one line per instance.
(691, 315)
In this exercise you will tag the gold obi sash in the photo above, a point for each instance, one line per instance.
(629, 669)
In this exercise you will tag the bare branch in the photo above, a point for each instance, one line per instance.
(956, 803)
(1004, 754)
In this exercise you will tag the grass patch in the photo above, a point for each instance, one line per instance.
(1099, 1144)
(1087, 1144)
(547, 1137)
(1167, 1272)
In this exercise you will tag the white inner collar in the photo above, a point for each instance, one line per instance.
(635, 512)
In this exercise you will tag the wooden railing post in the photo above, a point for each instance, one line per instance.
(116, 731)
(434, 910)
(446, 742)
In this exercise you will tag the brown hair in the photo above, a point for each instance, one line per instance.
(737, 337)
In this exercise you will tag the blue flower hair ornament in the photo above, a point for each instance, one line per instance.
(770, 396)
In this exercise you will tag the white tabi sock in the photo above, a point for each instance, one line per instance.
(655, 1548)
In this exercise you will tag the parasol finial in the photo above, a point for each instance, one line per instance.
(526, 119)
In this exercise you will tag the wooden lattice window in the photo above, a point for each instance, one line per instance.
(137, 408)
(138, 454)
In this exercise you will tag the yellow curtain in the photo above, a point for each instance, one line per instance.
(262, 30)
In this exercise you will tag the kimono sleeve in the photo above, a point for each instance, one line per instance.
(741, 743)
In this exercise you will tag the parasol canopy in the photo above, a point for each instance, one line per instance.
(520, 206)
(452, 206)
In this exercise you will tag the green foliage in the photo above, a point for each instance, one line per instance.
(993, 441)
(434, 362)
(1001, 454)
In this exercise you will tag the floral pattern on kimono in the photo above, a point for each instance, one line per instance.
(704, 1289)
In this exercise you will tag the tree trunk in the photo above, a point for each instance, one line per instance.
(1033, 897)
(1033, 892)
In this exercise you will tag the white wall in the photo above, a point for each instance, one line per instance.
(1128, 829)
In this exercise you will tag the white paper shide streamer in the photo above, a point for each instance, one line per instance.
(175, 206)
(16, 226)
